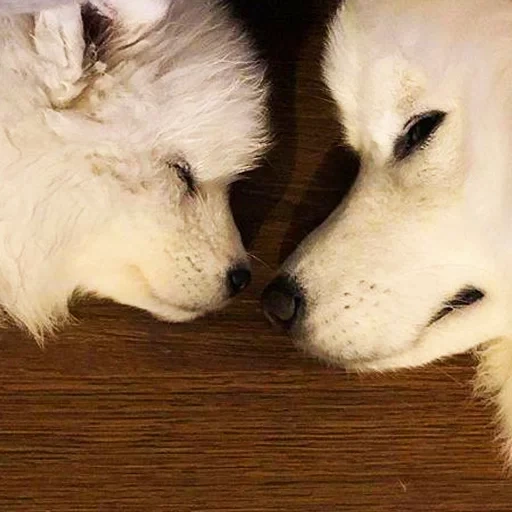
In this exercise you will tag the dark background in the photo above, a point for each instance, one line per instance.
(121, 412)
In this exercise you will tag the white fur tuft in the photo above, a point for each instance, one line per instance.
(494, 381)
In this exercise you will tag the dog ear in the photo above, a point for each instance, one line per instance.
(59, 41)
(29, 6)
(133, 14)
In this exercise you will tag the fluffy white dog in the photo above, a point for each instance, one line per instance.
(414, 264)
(122, 124)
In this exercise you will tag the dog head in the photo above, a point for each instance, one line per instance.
(121, 138)
(412, 265)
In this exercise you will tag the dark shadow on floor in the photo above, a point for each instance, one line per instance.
(279, 29)
(329, 186)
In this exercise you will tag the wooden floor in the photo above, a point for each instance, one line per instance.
(121, 412)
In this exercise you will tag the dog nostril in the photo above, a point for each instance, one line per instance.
(463, 298)
(282, 300)
(239, 278)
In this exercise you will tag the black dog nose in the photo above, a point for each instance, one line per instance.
(239, 278)
(282, 301)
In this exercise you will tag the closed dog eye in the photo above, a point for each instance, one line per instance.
(184, 173)
(417, 133)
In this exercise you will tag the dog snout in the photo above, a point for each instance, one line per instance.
(238, 278)
(283, 301)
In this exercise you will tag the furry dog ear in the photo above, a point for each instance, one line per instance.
(133, 13)
(59, 40)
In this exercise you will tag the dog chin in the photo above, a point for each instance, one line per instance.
(176, 314)
(379, 364)
(170, 312)
(406, 358)
(360, 363)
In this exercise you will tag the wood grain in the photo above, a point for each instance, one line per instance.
(121, 412)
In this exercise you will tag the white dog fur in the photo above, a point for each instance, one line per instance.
(416, 230)
(97, 143)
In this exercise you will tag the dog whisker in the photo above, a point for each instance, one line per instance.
(259, 260)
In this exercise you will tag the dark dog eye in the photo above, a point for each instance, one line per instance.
(184, 173)
(419, 130)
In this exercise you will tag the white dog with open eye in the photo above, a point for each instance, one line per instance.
(122, 124)
(416, 263)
